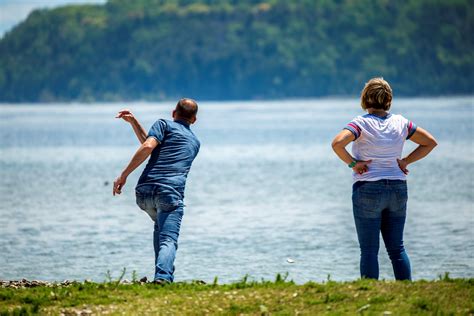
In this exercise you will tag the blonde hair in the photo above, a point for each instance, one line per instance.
(376, 94)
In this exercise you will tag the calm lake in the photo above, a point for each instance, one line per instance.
(265, 187)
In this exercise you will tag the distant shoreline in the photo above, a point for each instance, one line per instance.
(269, 100)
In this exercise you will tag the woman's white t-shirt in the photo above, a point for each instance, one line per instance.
(381, 140)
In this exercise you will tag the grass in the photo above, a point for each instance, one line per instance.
(280, 297)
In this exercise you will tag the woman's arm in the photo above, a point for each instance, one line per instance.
(339, 146)
(128, 116)
(426, 143)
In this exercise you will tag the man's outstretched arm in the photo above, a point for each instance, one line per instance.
(128, 116)
(140, 156)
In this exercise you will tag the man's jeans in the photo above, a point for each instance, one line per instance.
(380, 206)
(166, 210)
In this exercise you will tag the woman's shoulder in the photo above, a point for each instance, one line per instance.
(359, 118)
(397, 116)
(372, 119)
(365, 119)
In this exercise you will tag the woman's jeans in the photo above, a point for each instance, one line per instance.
(380, 206)
(166, 209)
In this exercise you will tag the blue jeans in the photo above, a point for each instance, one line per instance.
(166, 210)
(380, 207)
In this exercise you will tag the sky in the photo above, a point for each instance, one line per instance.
(13, 12)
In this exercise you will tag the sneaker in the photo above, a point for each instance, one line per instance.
(161, 282)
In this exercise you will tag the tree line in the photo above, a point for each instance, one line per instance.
(237, 49)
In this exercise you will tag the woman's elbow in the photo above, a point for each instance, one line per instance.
(432, 142)
(337, 144)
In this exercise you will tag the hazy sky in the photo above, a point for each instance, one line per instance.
(14, 11)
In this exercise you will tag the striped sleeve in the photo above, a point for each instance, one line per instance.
(411, 129)
(354, 128)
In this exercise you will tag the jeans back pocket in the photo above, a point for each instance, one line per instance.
(367, 200)
(168, 199)
(398, 205)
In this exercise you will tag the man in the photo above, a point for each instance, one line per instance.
(160, 189)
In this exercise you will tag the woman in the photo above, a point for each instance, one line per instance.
(379, 192)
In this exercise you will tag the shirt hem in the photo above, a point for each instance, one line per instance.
(379, 178)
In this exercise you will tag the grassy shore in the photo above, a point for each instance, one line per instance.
(441, 297)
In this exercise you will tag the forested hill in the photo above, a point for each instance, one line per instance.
(237, 49)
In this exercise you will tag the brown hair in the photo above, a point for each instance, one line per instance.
(376, 94)
(186, 109)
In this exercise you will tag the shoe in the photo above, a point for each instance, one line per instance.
(161, 282)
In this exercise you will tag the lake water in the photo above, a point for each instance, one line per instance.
(265, 187)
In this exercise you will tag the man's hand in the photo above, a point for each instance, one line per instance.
(140, 156)
(402, 164)
(361, 166)
(126, 115)
(118, 184)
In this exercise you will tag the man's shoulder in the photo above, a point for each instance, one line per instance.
(194, 139)
(176, 127)
(169, 125)
(164, 121)
(161, 123)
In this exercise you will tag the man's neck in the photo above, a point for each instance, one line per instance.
(182, 120)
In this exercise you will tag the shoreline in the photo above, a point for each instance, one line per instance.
(443, 296)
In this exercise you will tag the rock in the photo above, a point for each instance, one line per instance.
(363, 308)
(201, 282)
(66, 282)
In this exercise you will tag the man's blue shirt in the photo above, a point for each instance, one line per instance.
(171, 160)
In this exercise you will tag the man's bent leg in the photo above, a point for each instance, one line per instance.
(156, 242)
(166, 235)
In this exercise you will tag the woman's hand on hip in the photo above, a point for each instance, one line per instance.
(402, 164)
(361, 166)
